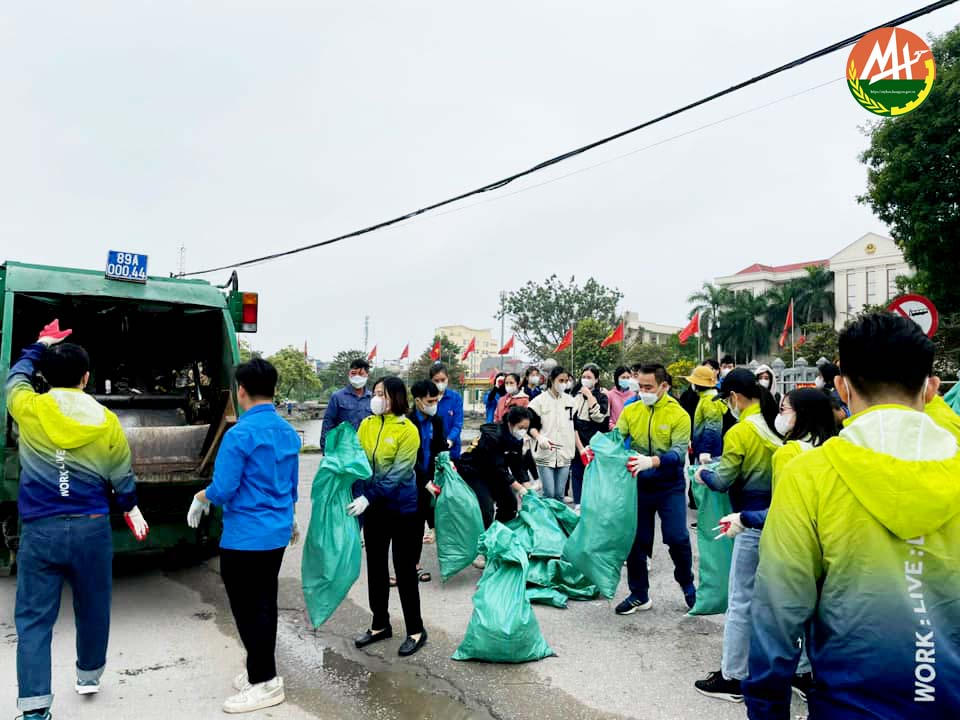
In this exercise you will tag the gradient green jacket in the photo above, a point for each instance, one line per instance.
(862, 549)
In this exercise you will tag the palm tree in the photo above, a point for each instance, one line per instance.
(710, 301)
(743, 327)
(778, 303)
(814, 295)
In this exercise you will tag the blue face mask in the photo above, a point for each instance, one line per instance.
(624, 384)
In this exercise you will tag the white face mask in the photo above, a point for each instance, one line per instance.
(511, 389)
(649, 399)
(563, 386)
(358, 381)
(519, 433)
(588, 383)
(784, 423)
(429, 410)
(634, 384)
(442, 387)
(734, 410)
(378, 405)
(763, 382)
(534, 380)
(724, 372)
(818, 383)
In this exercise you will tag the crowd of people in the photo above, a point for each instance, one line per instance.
(844, 580)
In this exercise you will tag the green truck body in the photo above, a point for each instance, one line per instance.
(162, 358)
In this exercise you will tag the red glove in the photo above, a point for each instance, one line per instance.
(587, 456)
(433, 488)
(138, 526)
(52, 334)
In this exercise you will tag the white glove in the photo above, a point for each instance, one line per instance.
(639, 463)
(196, 511)
(698, 475)
(358, 506)
(295, 533)
(138, 526)
(544, 440)
(730, 526)
(433, 488)
(705, 458)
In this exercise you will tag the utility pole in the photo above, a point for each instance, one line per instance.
(503, 323)
(366, 333)
(182, 261)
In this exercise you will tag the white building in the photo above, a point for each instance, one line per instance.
(864, 273)
(652, 333)
(461, 335)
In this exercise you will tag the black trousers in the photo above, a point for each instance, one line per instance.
(489, 494)
(381, 528)
(250, 578)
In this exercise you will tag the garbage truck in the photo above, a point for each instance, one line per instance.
(162, 354)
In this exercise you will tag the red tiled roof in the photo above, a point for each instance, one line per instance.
(757, 267)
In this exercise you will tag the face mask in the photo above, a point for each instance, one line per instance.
(734, 410)
(429, 410)
(534, 380)
(648, 399)
(442, 387)
(624, 384)
(378, 405)
(511, 389)
(763, 382)
(634, 384)
(564, 387)
(724, 372)
(358, 381)
(519, 433)
(784, 423)
(588, 383)
(818, 383)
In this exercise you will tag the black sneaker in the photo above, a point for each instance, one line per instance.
(801, 685)
(632, 604)
(717, 686)
(690, 596)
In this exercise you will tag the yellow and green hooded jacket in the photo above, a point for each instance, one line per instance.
(708, 425)
(74, 457)
(746, 467)
(862, 547)
(391, 443)
(662, 429)
(944, 416)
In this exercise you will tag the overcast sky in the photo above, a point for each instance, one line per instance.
(242, 128)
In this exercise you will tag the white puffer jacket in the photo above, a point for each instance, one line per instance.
(556, 418)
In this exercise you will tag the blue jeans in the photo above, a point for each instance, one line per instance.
(576, 479)
(671, 505)
(736, 628)
(554, 480)
(80, 551)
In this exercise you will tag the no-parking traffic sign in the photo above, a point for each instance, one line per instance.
(919, 309)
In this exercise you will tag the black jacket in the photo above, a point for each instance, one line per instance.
(498, 458)
(438, 444)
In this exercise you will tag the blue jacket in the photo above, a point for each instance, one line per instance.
(255, 481)
(450, 410)
(344, 406)
(491, 400)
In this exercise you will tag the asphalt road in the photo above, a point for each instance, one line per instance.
(174, 651)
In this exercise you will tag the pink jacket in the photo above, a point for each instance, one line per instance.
(617, 398)
(521, 399)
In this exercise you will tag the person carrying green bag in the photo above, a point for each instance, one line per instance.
(331, 554)
(458, 520)
(715, 554)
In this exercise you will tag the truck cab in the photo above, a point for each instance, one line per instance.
(162, 354)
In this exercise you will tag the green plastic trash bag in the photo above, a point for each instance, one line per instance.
(715, 555)
(331, 552)
(601, 541)
(546, 537)
(567, 518)
(952, 398)
(503, 627)
(561, 576)
(458, 521)
(547, 596)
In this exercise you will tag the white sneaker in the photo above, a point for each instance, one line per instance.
(240, 682)
(87, 687)
(256, 697)
(480, 563)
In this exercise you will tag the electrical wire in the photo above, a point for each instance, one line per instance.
(920, 12)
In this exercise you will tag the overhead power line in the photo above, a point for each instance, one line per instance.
(829, 49)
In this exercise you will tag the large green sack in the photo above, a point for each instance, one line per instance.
(601, 541)
(503, 627)
(458, 521)
(715, 555)
(546, 537)
(562, 576)
(567, 518)
(547, 596)
(952, 398)
(331, 552)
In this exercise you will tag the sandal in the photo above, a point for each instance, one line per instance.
(423, 575)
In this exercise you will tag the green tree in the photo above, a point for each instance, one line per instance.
(821, 342)
(298, 379)
(587, 336)
(913, 179)
(541, 313)
(743, 330)
(644, 353)
(710, 301)
(814, 295)
(246, 350)
(778, 304)
(449, 355)
(678, 371)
